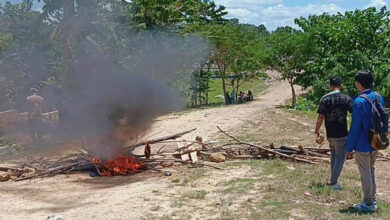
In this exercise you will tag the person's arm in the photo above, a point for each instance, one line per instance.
(43, 106)
(355, 126)
(320, 120)
(350, 105)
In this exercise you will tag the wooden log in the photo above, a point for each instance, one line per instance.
(265, 149)
(194, 157)
(312, 158)
(311, 153)
(10, 168)
(309, 149)
(302, 150)
(152, 141)
(285, 151)
(383, 157)
(318, 149)
(244, 157)
(289, 148)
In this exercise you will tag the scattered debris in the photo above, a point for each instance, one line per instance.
(192, 153)
(217, 157)
(4, 177)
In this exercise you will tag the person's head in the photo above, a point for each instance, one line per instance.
(335, 83)
(364, 80)
(33, 91)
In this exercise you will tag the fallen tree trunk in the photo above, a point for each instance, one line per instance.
(152, 141)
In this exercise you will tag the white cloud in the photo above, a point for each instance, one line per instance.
(377, 3)
(276, 15)
(246, 3)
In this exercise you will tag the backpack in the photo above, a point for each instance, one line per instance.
(379, 124)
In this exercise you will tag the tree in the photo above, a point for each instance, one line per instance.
(342, 44)
(248, 54)
(23, 54)
(61, 13)
(146, 14)
(236, 50)
(289, 52)
(223, 39)
(201, 85)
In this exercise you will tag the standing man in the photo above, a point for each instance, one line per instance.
(359, 142)
(233, 97)
(35, 111)
(333, 109)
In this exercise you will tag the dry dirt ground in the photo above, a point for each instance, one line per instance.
(243, 190)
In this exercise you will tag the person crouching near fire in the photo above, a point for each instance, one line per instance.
(333, 108)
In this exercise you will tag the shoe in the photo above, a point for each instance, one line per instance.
(375, 204)
(336, 187)
(363, 207)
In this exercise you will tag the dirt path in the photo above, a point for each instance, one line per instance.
(227, 117)
(140, 196)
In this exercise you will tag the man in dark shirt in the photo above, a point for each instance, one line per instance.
(333, 108)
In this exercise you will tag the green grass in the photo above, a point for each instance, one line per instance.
(255, 85)
(198, 174)
(239, 185)
(299, 193)
(304, 189)
(185, 197)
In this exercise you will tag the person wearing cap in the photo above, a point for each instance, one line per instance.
(333, 108)
(35, 104)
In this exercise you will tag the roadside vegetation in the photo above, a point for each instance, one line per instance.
(274, 189)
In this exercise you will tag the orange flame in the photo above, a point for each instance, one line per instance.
(121, 165)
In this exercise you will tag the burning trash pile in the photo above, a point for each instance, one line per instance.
(122, 164)
(77, 163)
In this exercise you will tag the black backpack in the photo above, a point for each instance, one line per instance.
(379, 124)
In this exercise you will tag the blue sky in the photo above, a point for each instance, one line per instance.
(275, 13)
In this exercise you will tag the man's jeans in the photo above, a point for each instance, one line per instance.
(366, 165)
(337, 158)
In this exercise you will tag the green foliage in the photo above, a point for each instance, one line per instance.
(201, 87)
(5, 40)
(216, 90)
(304, 104)
(287, 52)
(146, 14)
(236, 50)
(342, 44)
(22, 34)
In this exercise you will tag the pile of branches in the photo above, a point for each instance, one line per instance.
(238, 149)
(196, 153)
(39, 167)
(80, 162)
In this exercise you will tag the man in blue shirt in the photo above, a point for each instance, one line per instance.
(359, 142)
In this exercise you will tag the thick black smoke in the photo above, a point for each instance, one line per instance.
(104, 94)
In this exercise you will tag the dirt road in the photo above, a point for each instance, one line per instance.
(135, 197)
(226, 117)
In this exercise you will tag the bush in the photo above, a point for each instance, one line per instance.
(304, 104)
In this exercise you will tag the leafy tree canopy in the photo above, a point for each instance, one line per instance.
(342, 44)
